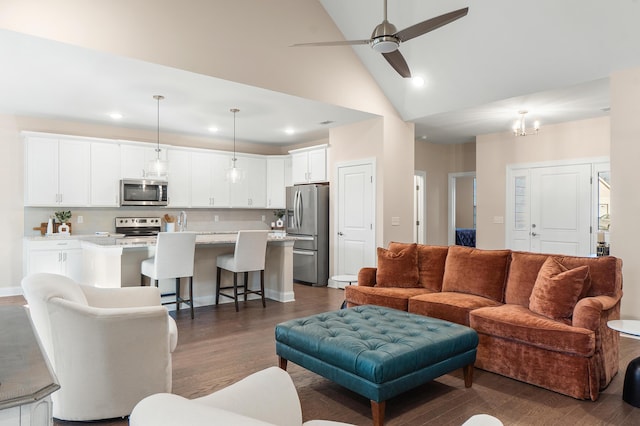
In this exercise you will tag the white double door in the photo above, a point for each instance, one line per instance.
(549, 209)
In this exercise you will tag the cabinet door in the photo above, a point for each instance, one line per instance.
(299, 167)
(74, 172)
(317, 165)
(179, 180)
(201, 179)
(257, 182)
(135, 159)
(105, 174)
(41, 186)
(220, 188)
(276, 182)
(71, 264)
(44, 261)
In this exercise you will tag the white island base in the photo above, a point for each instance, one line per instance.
(106, 265)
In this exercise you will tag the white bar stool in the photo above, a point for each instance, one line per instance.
(249, 255)
(175, 252)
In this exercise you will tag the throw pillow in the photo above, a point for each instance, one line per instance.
(397, 269)
(431, 261)
(557, 289)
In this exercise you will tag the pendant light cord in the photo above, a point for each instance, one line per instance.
(158, 98)
(234, 111)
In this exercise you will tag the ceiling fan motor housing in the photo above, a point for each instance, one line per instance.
(383, 39)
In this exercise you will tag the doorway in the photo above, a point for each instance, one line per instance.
(355, 227)
(462, 209)
(420, 207)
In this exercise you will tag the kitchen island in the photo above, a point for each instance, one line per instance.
(115, 262)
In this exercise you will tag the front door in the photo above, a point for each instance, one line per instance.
(355, 227)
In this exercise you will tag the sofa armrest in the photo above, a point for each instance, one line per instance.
(588, 311)
(367, 276)
(125, 297)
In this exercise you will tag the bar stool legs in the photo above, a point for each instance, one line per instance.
(244, 288)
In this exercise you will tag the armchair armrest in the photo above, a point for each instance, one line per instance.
(367, 276)
(126, 297)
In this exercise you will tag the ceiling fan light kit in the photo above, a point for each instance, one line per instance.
(520, 126)
(386, 38)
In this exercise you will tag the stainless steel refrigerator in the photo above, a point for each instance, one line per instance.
(308, 221)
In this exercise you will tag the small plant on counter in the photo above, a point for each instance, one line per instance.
(278, 214)
(63, 216)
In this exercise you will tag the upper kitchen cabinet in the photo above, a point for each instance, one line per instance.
(179, 179)
(309, 165)
(105, 174)
(57, 171)
(209, 187)
(278, 178)
(251, 191)
(135, 157)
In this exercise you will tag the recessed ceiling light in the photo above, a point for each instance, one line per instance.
(417, 81)
(213, 129)
(289, 131)
(115, 115)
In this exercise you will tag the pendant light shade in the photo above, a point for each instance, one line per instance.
(234, 173)
(157, 168)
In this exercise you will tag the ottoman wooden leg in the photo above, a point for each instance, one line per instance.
(282, 363)
(377, 412)
(467, 371)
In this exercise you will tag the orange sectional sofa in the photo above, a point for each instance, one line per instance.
(541, 319)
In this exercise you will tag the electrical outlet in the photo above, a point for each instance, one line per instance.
(80, 219)
(216, 218)
(264, 218)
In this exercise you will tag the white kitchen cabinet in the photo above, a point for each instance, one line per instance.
(105, 174)
(135, 158)
(250, 191)
(209, 187)
(62, 257)
(277, 181)
(57, 172)
(309, 165)
(179, 179)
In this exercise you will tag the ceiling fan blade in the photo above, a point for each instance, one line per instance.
(396, 60)
(430, 24)
(332, 43)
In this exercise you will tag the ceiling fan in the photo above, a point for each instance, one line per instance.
(386, 38)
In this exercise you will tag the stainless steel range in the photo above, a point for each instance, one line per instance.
(136, 227)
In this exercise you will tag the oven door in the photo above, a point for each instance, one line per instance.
(139, 192)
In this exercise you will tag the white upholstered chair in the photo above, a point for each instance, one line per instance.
(267, 397)
(175, 252)
(249, 255)
(109, 348)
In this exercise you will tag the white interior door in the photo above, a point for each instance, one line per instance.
(549, 209)
(561, 209)
(419, 210)
(355, 227)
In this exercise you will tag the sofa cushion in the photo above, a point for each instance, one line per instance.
(392, 297)
(517, 323)
(474, 271)
(557, 289)
(454, 307)
(399, 268)
(431, 261)
(523, 272)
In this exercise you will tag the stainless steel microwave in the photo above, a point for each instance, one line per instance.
(142, 192)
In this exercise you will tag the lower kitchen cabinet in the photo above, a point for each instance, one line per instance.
(62, 257)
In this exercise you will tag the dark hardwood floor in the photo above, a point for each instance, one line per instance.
(221, 346)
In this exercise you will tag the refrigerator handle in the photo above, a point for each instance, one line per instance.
(295, 209)
(300, 209)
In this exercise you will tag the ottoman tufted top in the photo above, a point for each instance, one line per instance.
(376, 343)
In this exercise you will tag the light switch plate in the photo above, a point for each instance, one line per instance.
(395, 221)
(498, 219)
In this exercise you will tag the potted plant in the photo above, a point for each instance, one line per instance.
(62, 217)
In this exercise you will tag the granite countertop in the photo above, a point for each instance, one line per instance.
(25, 374)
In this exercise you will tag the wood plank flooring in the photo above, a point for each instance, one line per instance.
(221, 346)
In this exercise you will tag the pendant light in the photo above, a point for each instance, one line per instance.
(157, 168)
(234, 173)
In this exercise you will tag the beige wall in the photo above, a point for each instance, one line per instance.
(625, 202)
(565, 141)
(464, 202)
(437, 161)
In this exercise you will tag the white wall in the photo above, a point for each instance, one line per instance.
(625, 202)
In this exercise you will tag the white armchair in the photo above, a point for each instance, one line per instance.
(267, 397)
(109, 348)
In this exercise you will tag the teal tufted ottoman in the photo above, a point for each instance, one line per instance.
(375, 351)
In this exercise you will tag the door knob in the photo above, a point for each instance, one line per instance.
(533, 234)
(340, 234)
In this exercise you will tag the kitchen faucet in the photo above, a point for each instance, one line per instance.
(182, 221)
